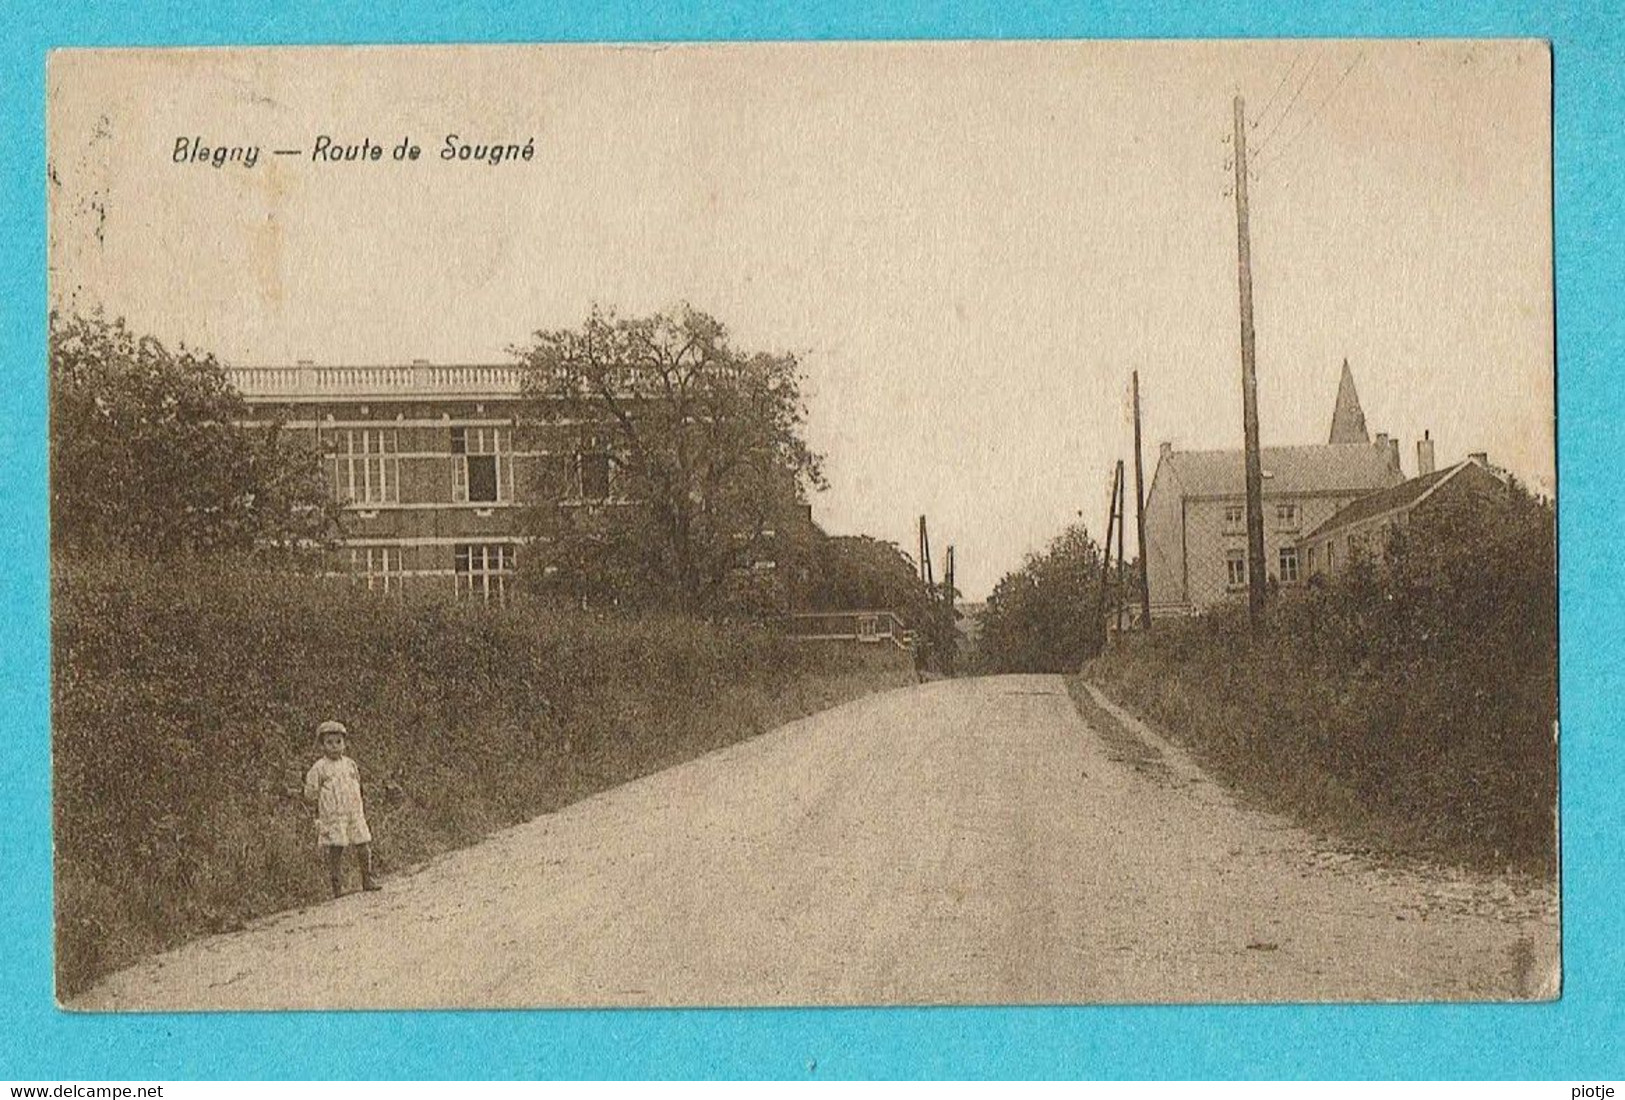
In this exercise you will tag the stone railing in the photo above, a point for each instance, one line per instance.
(307, 380)
(310, 382)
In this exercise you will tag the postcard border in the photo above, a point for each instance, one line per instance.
(1563, 1039)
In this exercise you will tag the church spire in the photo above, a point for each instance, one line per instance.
(1348, 419)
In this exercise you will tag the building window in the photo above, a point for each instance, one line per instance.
(1331, 558)
(368, 471)
(1235, 568)
(482, 465)
(1286, 515)
(1311, 561)
(594, 466)
(483, 570)
(1289, 564)
(1235, 517)
(378, 567)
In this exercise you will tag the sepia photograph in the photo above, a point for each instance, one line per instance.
(803, 524)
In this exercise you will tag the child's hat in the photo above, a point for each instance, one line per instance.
(331, 726)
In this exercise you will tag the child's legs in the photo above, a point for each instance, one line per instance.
(335, 865)
(363, 857)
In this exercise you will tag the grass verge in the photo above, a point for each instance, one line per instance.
(184, 703)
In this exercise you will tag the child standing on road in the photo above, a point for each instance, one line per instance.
(333, 785)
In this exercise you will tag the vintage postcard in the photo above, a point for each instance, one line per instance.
(803, 524)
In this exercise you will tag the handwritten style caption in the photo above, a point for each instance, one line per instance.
(329, 150)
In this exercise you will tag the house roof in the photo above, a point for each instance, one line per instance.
(1404, 495)
(1324, 467)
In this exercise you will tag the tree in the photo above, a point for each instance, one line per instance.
(1045, 616)
(710, 470)
(149, 454)
(859, 573)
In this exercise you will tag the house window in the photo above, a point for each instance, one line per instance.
(1289, 564)
(1235, 517)
(483, 570)
(378, 567)
(1331, 558)
(368, 471)
(1311, 561)
(1235, 568)
(1286, 515)
(482, 466)
(594, 466)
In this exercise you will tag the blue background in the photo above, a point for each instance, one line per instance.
(1579, 1036)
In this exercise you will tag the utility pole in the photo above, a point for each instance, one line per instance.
(925, 635)
(1106, 547)
(1122, 522)
(926, 574)
(950, 632)
(1139, 511)
(1249, 382)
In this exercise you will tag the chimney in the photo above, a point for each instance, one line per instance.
(1480, 457)
(1424, 455)
(1164, 451)
(1391, 448)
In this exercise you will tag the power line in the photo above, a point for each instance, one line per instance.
(1287, 113)
(1321, 106)
(1278, 86)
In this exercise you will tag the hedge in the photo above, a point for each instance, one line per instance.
(186, 694)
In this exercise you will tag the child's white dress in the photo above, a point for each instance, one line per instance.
(335, 787)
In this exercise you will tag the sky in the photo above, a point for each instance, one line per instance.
(970, 245)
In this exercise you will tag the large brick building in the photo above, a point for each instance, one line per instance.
(1196, 510)
(426, 460)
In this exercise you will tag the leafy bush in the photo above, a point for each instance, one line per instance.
(185, 697)
(1046, 616)
(1410, 702)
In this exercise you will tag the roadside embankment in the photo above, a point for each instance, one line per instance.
(1408, 703)
(184, 703)
(1446, 753)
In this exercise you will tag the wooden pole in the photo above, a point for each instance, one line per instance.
(926, 573)
(1139, 512)
(1122, 522)
(1249, 382)
(1106, 549)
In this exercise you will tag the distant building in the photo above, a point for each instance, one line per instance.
(867, 626)
(1196, 509)
(1365, 525)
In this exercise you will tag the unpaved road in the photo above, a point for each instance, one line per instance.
(968, 841)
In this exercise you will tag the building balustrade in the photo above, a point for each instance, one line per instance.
(308, 381)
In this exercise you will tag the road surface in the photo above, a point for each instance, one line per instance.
(968, 841)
